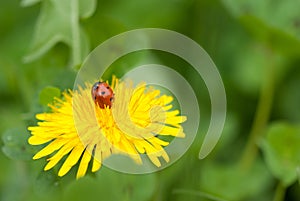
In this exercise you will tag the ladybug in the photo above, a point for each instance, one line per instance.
(102, 94)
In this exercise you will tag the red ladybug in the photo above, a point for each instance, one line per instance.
(102, 94)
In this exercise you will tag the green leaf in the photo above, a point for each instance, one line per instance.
(283, 15)
(87, 8)
(47, 183)
(230, 182)
(298, 174)
(59, 22)
(274, 23)
(197, 194)
(47, 95)
(249, 71)
(29, 2)
(111, 185)
(134, 13)
(289, 97)
(281, 150)
(15, 144)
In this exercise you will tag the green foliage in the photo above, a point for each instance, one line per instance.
(59, 22)
(110, 185)
(15, 144)
(281, 149)
(275, 23)
(43, 43)
(47, 185)
(198, 194)
(234, 183)
(48, 94)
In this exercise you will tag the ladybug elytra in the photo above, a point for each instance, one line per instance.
(102, 94)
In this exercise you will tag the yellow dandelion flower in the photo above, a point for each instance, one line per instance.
(79, 131)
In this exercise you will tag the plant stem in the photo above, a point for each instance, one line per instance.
(76, 47)
(261, 116)
(280, 192)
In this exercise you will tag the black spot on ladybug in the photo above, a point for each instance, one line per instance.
(111, 98)
(107, 87)
(102, 92)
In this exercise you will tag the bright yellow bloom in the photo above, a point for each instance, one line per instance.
(78, 131)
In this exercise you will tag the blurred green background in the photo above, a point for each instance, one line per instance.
(254, 43)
